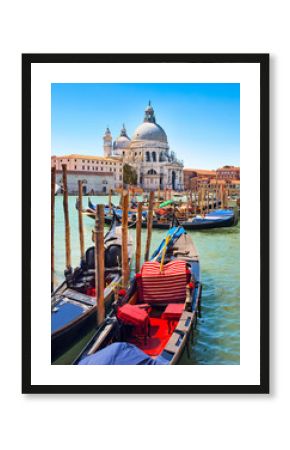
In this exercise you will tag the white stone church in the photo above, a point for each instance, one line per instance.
(148, 152)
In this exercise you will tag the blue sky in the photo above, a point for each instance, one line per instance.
(202, 121)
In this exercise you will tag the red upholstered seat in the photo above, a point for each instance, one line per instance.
(173, 311)
(132, 315)
(168, 286)
(136, 317)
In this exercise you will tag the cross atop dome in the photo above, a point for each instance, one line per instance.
(149, 114)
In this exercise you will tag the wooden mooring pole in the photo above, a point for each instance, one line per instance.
(110, 200)
(187, 204)
(222, 196)
(216, 192)
(195, 200)
(100, 263)
(201, 201)
(53, 176)
(138, 237)
(226, 198)
(66, 218)
(125, 264)
(81, 225)
(149, 225)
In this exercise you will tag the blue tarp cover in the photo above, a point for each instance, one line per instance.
(175, 233)
(121, 353)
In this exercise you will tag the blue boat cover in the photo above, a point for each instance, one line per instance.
(221, 212)
(122, 354)
(65, 313)
(175, 233)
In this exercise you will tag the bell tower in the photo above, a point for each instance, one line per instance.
(107, 138)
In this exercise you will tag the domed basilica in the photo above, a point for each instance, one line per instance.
(148, 152)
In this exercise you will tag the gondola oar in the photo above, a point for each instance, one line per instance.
(167, 240)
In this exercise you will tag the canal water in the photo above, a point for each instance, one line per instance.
(217, 336)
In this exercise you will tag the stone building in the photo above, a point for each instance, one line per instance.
(228, 173)
(98, 174)
(148, 153)
(191, 176)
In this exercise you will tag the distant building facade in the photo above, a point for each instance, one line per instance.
(192, 175)
(98, 174)
(228, 173)
(228, 176)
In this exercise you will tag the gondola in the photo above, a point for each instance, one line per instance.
(220, 218)
(91, 212)
(154, 320)
(73, 303)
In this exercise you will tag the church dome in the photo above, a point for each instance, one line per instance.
(123, 140)
(149, 130)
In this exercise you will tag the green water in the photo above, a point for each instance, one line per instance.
(217, 336)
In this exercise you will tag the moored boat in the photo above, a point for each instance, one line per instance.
(153, 321)
(73, 303)
(90, 211)
(220, 218)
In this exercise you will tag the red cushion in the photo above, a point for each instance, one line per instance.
(169, 286)
(173, 311)
(132, 315)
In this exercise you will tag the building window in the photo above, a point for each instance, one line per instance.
(101, 169)
(88, 167)
(83, 167)
(147, 156)
(120, 178)
(75, 167)
(154, 156)
(152, 172)
(83, 160)
(75, 160)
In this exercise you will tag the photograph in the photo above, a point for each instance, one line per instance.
(166, 239)
(135, 168)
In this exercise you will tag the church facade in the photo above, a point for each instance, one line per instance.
(148, 153)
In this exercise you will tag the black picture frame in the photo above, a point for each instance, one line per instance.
(263, 61)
